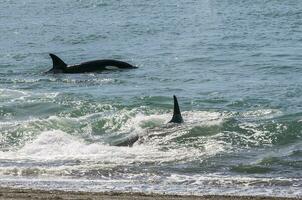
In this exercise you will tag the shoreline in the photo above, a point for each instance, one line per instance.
(7, 193)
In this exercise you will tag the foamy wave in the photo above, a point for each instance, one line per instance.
(262, 113)
(140, 122)
(174, 184)
(56, 153)
(9, 94)
(256, 136)
(56, 145)
(213, 184)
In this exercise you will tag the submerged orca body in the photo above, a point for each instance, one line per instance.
(59, 66)
(128, 141)
(177, 118)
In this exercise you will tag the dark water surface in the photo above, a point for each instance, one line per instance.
(236, 67)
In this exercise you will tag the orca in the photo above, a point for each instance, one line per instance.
(177, 119)
(127, 141)
(59, 66)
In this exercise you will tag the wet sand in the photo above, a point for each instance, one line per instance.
(27, 194)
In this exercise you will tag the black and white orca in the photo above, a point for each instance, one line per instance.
(177, 118)
(59, 66)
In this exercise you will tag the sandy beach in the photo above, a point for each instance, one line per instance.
(26, 194)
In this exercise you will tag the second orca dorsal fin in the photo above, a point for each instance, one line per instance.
(57, 62)
(177, 118)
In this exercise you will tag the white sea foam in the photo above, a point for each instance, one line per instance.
(256, 136)
(235, 185)
(262, 113)
(140, 121)
(54, 145)
(57, 146)
(12, 95)
(173, 184)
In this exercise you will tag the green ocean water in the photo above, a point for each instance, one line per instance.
(235, 67)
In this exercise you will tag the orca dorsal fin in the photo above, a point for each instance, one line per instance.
(57, 62)
(177, 118)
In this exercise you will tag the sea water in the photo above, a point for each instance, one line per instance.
(235, 66)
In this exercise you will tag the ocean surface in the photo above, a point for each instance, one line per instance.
(235, 66)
